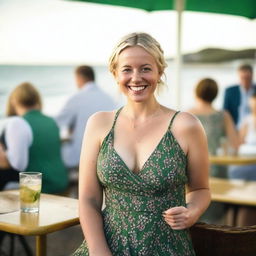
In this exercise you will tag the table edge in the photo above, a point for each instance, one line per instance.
(22, 230)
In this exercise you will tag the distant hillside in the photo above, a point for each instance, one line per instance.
(218, 55)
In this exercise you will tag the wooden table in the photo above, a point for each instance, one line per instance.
(237, 192)
(232, 160)
(56, 213)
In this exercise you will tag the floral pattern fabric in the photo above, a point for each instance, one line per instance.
(133, 222)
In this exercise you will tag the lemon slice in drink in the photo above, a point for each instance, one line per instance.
(28, 195)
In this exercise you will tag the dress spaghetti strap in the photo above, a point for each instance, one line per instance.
(116, 116)
(171, 122)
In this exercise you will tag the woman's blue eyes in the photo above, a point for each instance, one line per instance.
(126, 70)
(146, 69)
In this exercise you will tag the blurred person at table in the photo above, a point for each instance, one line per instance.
(248, 130)
(218, 125)
(248, 144)
(75, 113)
(246, 216)
(10, 176)
(236, 97)
(31, 142)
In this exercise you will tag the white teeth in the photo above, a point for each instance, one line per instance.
(137, 88)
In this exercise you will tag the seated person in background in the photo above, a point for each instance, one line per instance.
(74, 115)
(248, 146)
(246, 216)
(217, 125)
(236, 97)
(10, 175)
(248, 130)
(32, 142)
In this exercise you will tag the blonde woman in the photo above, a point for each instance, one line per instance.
(141, 156)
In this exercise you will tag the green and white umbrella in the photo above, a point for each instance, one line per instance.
(245, 8)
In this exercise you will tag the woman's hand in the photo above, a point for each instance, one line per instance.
(179, 217)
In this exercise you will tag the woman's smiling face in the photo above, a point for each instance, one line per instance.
(137, 73)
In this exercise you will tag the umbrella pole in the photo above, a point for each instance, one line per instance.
(179, 6)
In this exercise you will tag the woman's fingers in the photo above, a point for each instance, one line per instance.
(177, 217)
(175, 210)
(176, 226)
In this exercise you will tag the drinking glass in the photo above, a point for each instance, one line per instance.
(30, 189)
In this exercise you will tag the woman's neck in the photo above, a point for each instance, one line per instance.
(23, 110)
(202, 107)
(142, 110)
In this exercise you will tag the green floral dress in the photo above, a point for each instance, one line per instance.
(133, 221)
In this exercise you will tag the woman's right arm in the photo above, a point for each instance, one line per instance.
(90, 190)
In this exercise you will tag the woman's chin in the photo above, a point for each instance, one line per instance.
(138, 98)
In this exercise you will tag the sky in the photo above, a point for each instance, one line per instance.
(66, 32)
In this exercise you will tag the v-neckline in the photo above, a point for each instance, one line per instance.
(147, 160)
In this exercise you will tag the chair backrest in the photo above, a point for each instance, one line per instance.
(216, 240)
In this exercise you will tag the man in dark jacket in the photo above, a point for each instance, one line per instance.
(236, 97)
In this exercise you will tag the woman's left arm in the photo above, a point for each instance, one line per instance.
(198, 193)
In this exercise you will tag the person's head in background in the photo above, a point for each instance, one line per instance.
(23, 98)
(245, 73)
(252, 103)
(206, 90)
(83, 75)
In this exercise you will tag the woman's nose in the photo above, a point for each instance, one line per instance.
(136, 77)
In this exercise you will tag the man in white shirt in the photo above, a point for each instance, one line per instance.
(74, 115)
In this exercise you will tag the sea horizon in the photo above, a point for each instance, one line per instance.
(56, 82)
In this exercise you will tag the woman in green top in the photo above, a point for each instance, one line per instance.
(32, 141)
(141, 156)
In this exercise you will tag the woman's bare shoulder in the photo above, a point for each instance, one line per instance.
(101, 122)
(102, 116)
(187, 122)
(182, 119)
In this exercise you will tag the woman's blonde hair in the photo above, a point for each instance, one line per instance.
(143, 40)
(25, 95)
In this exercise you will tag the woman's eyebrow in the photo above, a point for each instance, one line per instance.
(146, 65)
(128, 66)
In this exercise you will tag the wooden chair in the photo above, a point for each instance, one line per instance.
(213, 240)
